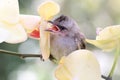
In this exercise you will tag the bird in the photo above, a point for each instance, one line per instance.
(65, 37)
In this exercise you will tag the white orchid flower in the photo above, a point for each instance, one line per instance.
(13, 26)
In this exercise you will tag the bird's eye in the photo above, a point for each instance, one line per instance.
(62, 27)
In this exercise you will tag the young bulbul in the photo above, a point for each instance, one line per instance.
(65, 37)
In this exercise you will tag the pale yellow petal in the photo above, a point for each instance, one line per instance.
(44, 40)
(108, 38)
(111, 32)
(48, 9)
(17, 33)
(79, 65)
(30, 22)
(106, 45)
(9, 11)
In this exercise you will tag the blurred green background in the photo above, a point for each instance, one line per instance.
(89, 14)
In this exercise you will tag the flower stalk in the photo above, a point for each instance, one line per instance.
(115, 61)
(114, 64)
(19, 54)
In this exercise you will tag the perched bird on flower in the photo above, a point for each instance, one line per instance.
(59, 37)
(65, 37)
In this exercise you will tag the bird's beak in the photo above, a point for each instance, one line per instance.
(53, 28)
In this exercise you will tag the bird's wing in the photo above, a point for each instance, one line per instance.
(80, 40)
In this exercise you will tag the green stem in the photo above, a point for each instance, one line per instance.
(114, 63)
(19, 54)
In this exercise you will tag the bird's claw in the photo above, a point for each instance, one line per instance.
(41, 58)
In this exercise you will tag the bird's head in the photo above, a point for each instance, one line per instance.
(63, 25)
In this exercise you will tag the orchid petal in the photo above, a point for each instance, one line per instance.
(16, 32)
(111, 32)
(106, 45)
(44, 40)
(107, 39)
(4, 34)
(30, 22)
(48, 9)
(79, 65)
(9, 11)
